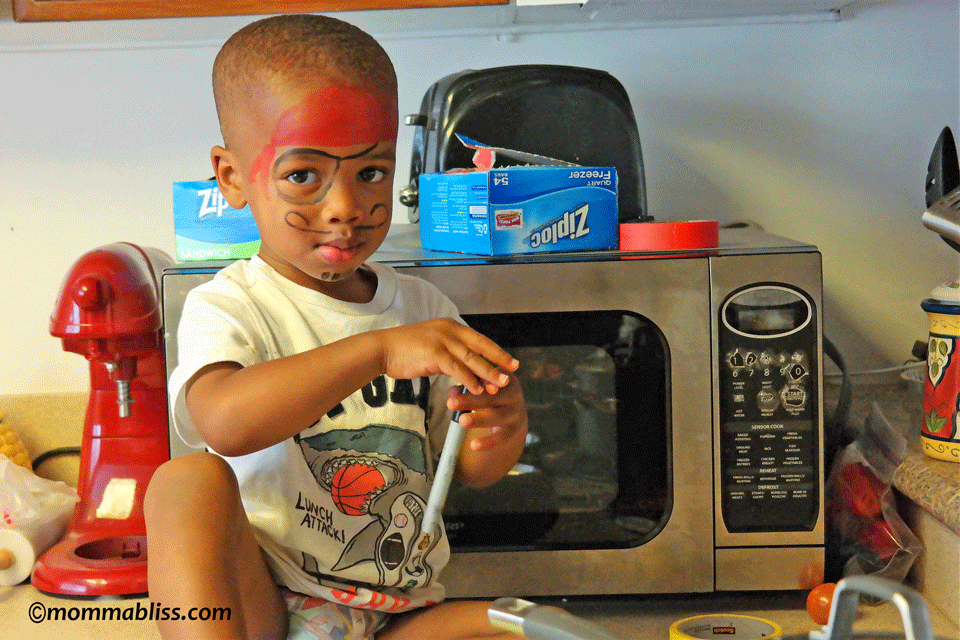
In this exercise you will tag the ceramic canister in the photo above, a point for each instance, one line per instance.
(939, 430)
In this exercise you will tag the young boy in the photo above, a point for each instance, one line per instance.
(322, 381)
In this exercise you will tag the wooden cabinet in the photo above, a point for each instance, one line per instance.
(506, 16)
(37, 10)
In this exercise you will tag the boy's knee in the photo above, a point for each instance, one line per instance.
(195, 475)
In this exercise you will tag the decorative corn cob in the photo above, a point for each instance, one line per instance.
(11, 445)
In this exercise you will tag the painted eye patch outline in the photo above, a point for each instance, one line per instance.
(297, 220)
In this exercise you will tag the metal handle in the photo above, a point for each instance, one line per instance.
(943, 217)
(846, 597)
(532, 621)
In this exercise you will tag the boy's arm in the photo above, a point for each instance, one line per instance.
(496, 433)
(239, 410)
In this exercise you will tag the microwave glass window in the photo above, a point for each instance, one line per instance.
(761, 321)
(594, 472)
(766, 311)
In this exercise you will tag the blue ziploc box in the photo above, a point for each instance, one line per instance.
(520, 210)
(207, 227)
(548, 205)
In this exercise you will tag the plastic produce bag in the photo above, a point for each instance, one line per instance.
(864, 527)
(34, 512)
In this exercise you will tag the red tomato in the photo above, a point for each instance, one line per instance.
(860, 490)
(818, 602)
(878, 537)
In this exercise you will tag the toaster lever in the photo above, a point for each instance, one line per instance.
(409, 195)
(417, 120)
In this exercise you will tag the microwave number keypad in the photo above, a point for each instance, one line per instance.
(766, 384)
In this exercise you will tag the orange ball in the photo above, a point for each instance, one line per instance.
(819, 601)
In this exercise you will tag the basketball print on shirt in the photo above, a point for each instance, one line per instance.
(353, 485)
(379, 473)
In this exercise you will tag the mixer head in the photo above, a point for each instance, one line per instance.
(108, 310)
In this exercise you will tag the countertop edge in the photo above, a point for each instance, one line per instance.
(933, 485)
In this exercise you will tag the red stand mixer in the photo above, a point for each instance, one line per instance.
(108, 310)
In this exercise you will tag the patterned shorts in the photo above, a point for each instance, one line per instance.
(314, 618)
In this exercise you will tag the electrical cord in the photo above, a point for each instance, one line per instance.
(906, 366)
(52, 453)
(835, 433)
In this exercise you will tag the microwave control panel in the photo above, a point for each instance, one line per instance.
(769, 404)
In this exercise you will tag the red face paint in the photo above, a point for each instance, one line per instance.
(337, 116)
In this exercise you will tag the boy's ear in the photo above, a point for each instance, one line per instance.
(227, 174)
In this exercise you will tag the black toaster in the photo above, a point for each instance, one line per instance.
(578, 115)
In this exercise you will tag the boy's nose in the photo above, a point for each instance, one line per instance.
(341, 205)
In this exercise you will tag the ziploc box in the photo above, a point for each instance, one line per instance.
(207, 227)
(530, 209)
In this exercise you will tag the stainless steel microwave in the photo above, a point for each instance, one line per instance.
(675, 404)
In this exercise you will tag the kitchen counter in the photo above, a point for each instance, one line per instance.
(641, 617)
(933, 484)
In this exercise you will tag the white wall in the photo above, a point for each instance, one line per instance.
(818, 131)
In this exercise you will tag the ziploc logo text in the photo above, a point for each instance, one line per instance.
(212, 203)
(572, 225)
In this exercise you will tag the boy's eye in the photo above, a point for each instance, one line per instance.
(372, 174)
(302, 177)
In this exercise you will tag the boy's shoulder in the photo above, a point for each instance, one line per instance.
(405, 281)
(240, 271)
(231, 279)
(241, 285)
(433, 300)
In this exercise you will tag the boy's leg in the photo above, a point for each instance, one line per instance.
(451, 620)
(202, 553)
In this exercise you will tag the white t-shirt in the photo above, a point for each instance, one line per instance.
(337, 508)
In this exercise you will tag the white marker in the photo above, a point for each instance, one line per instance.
(444, 474)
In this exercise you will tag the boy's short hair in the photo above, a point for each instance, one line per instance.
(295, 46)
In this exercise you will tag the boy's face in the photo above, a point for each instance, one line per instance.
(316, 165)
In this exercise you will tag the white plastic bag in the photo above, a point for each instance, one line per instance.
(34, 512)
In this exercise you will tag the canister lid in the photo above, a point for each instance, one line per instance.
(947, 292)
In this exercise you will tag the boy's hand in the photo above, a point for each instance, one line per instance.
(445, 346)
(496, 433)
(497, 418)
(503, 414)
